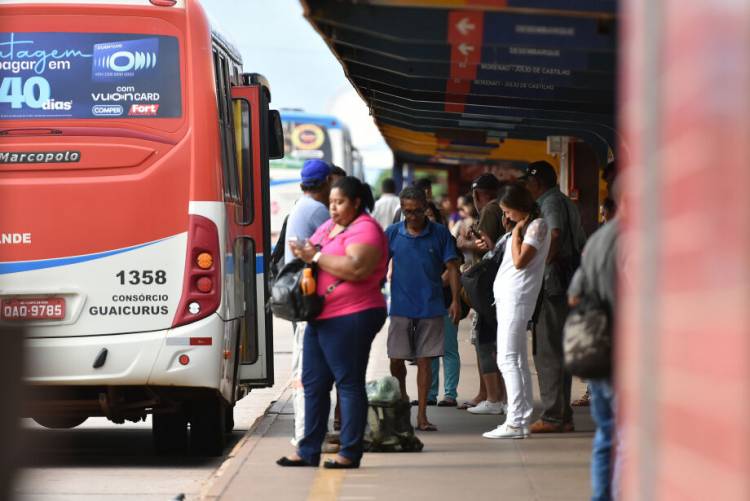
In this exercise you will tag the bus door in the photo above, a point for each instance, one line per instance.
(261, 139)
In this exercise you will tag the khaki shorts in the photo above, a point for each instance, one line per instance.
(416, 338)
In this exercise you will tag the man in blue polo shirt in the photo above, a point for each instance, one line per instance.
(421, 251)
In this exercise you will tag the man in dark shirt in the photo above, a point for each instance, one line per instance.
(484, 336)
(566, 241)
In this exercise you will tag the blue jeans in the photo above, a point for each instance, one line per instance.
(603, 411)
(337, 349)
(451, 364)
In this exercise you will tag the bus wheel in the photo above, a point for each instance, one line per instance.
(229, 419)
(169, 431)
(207, 423)
(60, 422)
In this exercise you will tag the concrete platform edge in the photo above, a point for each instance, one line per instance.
(220, 480)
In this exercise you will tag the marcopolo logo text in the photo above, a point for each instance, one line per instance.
(39, 157)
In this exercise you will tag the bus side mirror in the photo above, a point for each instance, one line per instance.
(275, 136)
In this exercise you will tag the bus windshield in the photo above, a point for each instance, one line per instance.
(62, 75)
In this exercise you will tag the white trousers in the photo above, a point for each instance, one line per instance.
(513, 360)
(298, 339)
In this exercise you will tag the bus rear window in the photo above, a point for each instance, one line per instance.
(89, 75)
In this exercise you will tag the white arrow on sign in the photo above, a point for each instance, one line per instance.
(465, 48)
(464, 26)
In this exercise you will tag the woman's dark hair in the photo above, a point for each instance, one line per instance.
(352, 188)
(517, 197)
(469, 202)
(337, 171)
(439, 218)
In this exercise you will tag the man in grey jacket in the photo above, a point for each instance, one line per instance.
(597, 277)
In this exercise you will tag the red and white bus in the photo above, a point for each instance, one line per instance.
(133, 224)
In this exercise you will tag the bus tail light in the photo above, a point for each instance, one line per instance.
(204, 284)
(201, 293)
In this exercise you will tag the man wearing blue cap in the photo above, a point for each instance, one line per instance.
(309, 212)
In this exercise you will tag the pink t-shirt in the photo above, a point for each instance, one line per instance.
(351, 297)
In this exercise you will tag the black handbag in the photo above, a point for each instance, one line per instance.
(287, 300)
(587, 339)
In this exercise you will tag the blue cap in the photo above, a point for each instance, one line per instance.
(314, 172)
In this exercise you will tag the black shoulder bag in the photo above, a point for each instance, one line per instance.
(287, 300)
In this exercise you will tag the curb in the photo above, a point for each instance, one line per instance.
(218, 482)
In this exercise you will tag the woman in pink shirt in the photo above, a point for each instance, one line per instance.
(351, 254)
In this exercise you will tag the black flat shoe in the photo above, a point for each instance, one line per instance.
(335, 465)
(285, 461)
(430, 403)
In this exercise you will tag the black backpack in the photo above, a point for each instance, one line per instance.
(477, 281)
(276, 262)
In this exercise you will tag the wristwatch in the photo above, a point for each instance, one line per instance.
(316, 257)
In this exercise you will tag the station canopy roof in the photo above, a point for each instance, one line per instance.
(449, 81)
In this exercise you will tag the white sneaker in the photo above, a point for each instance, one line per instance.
(487, 407)
(506, 431)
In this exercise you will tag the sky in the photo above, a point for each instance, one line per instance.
(278, 42)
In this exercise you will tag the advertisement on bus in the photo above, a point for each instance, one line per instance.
(89, 75)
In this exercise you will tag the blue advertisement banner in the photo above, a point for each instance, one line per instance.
(89, 75)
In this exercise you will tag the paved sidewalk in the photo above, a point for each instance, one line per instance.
(457, 463)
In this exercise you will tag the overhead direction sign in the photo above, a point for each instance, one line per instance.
(465, 33)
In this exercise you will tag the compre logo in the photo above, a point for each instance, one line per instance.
(144, 110)
(107, 110)
(114, 61)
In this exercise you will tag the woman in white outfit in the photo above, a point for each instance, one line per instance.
(516, 288)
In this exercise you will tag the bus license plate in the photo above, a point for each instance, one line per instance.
(50, 308)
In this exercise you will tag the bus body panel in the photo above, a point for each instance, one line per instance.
(99, 297)
(148, 358)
